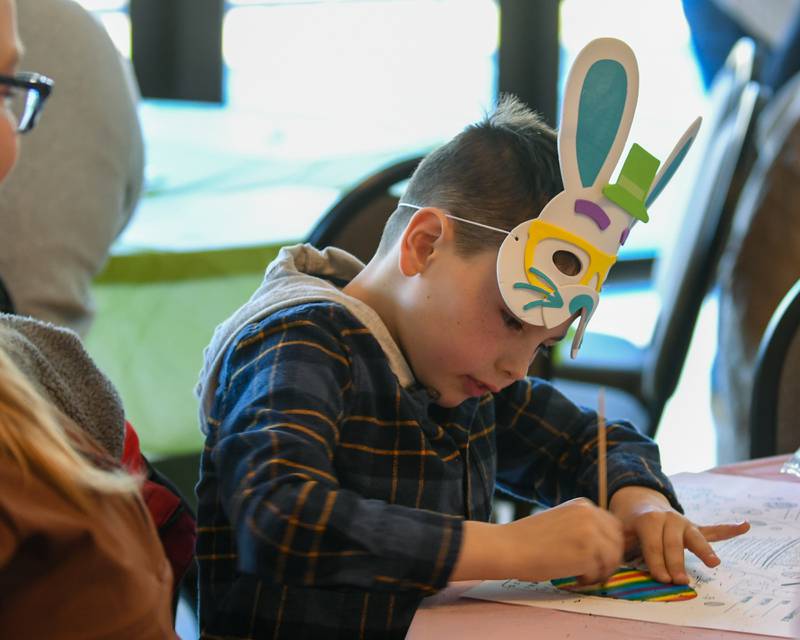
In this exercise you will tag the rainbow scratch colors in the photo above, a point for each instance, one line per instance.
(630, 584)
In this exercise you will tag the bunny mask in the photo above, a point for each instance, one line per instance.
(554, 266)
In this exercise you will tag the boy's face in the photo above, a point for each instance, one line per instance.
(9, 58)
(458, 335)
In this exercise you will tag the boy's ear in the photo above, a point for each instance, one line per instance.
(424, 235)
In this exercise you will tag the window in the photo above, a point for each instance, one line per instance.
(332, 80)
(317, 95)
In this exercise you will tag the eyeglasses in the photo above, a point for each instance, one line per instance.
(25, 94)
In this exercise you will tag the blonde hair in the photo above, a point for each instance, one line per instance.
(40, 439)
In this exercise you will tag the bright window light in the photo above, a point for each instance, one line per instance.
(104, 5)
(118, 26)
(356, 77)
(113, 14)
(671, 94)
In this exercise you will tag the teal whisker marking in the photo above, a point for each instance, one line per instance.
(553, 300)
(543, 276)
(536, 303)
(525, 285)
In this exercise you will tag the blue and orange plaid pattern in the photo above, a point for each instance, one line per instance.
(331, 499)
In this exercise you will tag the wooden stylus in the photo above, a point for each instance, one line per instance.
(602, 480)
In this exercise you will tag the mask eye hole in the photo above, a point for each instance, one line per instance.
(567, 263)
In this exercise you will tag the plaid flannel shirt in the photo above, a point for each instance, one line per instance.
(331, 499)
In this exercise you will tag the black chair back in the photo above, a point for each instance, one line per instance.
(727, 160)
(774, 401)
(758, 266)
(356, 221)
(646, 377)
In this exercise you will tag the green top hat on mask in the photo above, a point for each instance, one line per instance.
(633, 183)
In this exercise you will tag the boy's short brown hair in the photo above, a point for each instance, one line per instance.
(499, 171)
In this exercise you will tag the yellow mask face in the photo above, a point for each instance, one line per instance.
(595, 264)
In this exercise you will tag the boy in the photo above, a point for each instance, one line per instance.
(357, 419)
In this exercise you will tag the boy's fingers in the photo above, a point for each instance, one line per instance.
(717, 532)
(631, 542)
(673, 551)
(697, 543)
(608, 554)
(652, 542)
(609, 561)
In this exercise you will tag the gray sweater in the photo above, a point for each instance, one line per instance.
(80, 170)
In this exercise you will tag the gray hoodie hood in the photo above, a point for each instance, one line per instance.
(299, 274)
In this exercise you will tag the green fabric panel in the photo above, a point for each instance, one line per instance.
(160, 266)
(153, 322)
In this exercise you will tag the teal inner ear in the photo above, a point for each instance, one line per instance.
(600, 110)
(581, 301)
(668, 173)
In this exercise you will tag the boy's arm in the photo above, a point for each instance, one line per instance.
(547, 448)
(539, 430)
(282, 394)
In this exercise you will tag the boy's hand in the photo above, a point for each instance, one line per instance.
(575, 538)
(661, 534)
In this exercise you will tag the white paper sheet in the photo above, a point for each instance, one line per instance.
(755, 589)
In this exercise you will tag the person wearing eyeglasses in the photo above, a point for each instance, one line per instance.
(79, 178)
(80, 556)
(24, 94)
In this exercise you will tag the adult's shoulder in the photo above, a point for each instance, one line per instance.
(80, 175)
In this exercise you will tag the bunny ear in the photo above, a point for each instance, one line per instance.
(599, 101)
(672, 163)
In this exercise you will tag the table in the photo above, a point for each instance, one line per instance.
(446, 615)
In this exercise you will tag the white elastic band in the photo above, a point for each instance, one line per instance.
(450, 215)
